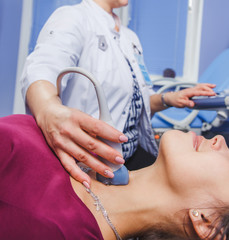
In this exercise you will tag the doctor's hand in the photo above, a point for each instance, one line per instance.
(183, 97)
(72, 134)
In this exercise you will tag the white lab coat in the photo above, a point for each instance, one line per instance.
(83, 35)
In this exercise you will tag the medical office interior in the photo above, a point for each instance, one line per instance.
(190, 38)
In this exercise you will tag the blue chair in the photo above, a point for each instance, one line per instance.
(209, 112)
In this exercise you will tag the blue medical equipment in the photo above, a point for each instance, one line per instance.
(121, 175)
(208, 113)
(220, 101)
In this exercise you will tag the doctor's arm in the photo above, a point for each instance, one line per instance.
(180, 98)
(71, 133)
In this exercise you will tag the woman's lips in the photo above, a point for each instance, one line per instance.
(196, 140)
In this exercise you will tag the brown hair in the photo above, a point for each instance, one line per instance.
(220, 226)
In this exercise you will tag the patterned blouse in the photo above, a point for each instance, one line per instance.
(131, 126)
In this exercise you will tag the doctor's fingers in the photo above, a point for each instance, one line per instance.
(95, 127)
(202, 89)
(96, 146)
(81, 155)
(191, 92)
(205, 85)
(71, 167)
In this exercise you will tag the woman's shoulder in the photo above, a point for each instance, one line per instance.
(41, 181)
(16, 125)
(23, 140)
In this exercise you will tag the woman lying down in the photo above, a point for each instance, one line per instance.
(184, 195)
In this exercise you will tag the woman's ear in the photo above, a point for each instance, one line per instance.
(202, 221)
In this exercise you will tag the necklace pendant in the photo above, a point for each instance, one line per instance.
(97, 206)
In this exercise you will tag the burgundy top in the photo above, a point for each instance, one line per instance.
(37, 200)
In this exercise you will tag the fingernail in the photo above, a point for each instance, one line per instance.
(119, 160)
(86, 184)
(109, 174)
(123, 138)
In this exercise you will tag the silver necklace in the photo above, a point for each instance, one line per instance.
(99, 207)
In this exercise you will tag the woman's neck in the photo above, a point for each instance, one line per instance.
(144, 202)
(136, 206)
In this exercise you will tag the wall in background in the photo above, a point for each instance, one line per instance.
(161, 27)
(10, 20)
(215, 31)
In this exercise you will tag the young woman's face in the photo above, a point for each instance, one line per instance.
(196, 166)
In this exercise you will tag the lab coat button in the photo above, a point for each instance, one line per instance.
(124, 112)
(102, 43)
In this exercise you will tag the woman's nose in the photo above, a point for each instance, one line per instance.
(218, 142)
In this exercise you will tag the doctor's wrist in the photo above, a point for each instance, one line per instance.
(164, 102)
